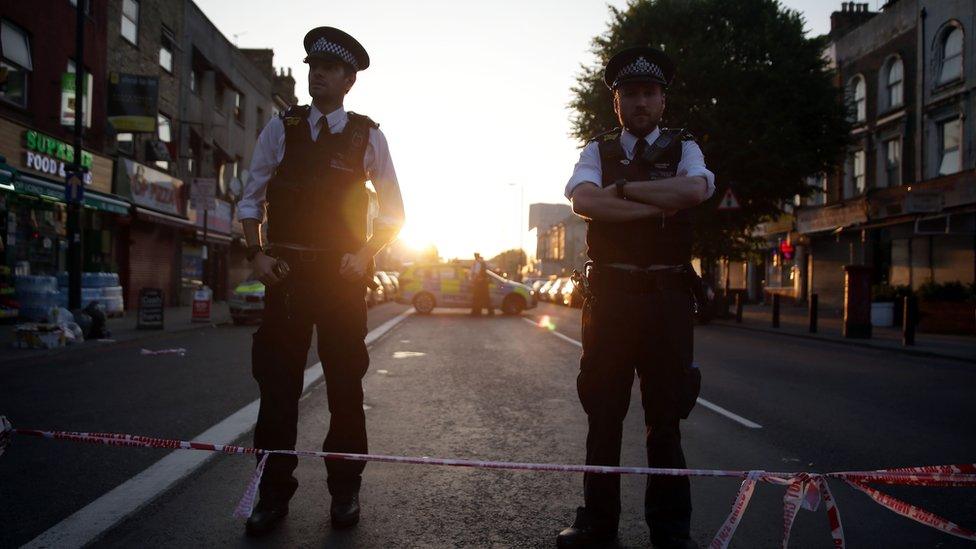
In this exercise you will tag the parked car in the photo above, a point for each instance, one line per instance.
(395, 279)
(247, 302)
(376, 294)
(447, 285)
(389, 289)
(543, 291)
(571, 295)
(555, 291)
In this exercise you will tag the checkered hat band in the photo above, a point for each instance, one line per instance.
(641, 67)
(324, 46)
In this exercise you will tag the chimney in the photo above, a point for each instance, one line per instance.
(850, 16)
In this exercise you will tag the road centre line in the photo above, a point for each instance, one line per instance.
(711, 406)
(102, 514)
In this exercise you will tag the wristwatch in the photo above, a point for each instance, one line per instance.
(620, 188)
(252, 251)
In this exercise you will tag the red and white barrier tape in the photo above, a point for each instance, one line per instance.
(804, 490)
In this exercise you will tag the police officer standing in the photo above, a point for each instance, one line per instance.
(634, 186)
(480, 292)
(309, 167)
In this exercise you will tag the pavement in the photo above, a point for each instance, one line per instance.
(794, 321)
(502, 388)
(123, 330)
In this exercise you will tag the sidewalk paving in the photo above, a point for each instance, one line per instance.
(176, 319)
(794, 321)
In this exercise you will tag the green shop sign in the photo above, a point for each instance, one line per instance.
(48, 146)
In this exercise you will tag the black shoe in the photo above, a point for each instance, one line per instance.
(345, 512)
(584, 534)
(265, 517)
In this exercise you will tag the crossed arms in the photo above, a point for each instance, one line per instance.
(643, 198)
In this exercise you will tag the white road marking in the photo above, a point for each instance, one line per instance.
(713, 407)
(96, 518)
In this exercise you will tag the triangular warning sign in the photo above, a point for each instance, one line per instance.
(729, 201)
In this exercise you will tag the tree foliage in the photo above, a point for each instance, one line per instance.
(757, 94)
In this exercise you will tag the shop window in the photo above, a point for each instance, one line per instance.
(164, 131)
(950, 139)
(166, 50)
(15, 63)
(857, 91)
(130, 21)
(895, 83)
(892, 163)
(951, 55)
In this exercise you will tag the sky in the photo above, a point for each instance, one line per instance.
(471, 95)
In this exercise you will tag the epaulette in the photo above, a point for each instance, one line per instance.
(294, 115)
(680, 133)
(605, 136)
(364, 119)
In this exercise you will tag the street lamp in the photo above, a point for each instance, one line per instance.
(519, 247)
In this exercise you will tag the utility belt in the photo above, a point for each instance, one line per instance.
(299, 255)
(598, 279)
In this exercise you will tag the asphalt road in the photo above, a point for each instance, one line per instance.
(448, 385)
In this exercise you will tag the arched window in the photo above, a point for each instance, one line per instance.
(858, 94)
(895, 83)
(951, 55)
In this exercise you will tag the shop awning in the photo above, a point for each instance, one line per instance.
(35, 186)
(6, 178)
(215, 237)
(164, 218)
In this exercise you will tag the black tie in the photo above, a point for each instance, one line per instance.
(639, 149)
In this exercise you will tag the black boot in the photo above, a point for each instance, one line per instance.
(266, 516)
(345, 511)
(584, 534)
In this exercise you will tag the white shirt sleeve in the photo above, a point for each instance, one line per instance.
(587, 170)
(267, 155)
(379, 170)
(693, 165)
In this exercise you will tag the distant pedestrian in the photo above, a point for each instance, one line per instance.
(481, 287)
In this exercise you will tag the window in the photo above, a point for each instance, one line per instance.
(854, 184)
(68, 97)
(259, 121)
(130, 20)
(164, 130)
(858, 94)
(166, 50)
(892, 163)
(239, 106)
(125, 143)
(950, 139)
(219, 95)
(951, 56)
(819, 184)
(895, 83)
(88, 5)
(15, 63)
(195, 81)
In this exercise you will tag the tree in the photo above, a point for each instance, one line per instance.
(757, 94)
(510, 262)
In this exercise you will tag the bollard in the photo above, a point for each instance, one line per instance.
(775, 310)
(909, 310)
(738, 307)
(814, 305)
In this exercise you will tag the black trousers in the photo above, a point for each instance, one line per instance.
(481, 298)
(652, 335)
(313, 294)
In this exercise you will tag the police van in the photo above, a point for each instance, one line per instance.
(449, 285)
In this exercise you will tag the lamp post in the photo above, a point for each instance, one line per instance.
(519, 222)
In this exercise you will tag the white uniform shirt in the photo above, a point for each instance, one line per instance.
(588, 169)
(270, 151)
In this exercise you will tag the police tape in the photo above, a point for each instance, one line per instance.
(803, 490)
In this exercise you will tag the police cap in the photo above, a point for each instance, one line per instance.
(639, 64)
(332, 43)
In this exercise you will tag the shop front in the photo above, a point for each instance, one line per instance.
(153, 258)
(213, 266)
(33, 231)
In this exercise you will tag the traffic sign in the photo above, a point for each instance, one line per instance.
(729, 201)
(74, 187)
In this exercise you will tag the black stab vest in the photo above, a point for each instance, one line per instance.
(645, 242)
(317, 196)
